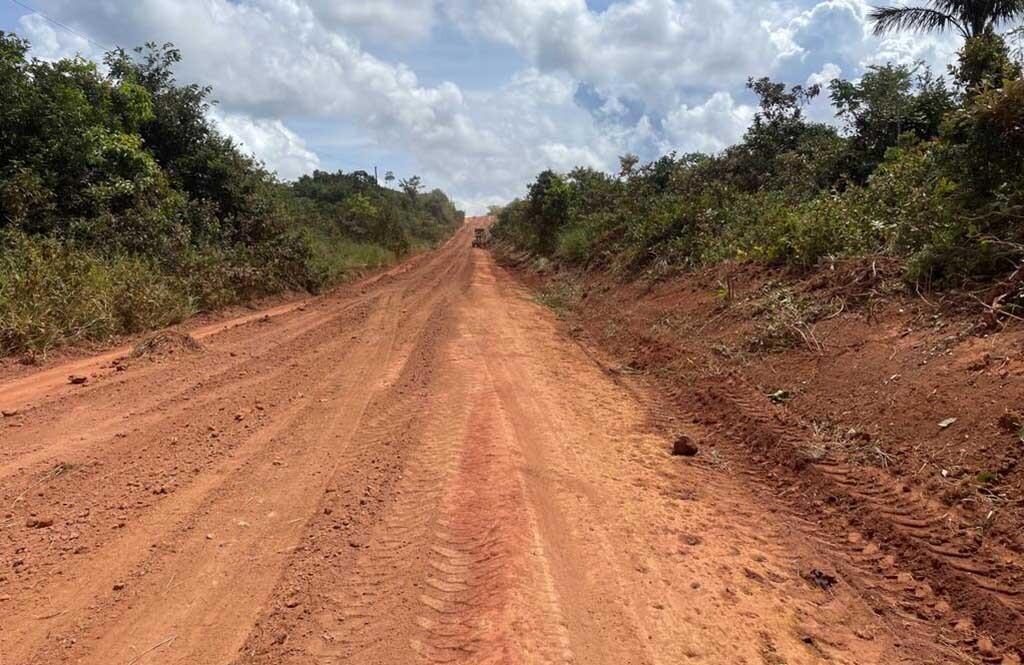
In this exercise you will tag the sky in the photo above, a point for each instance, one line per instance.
(478, 96)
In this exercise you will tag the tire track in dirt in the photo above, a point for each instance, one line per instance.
(723, 524)
(435, 476)
(206, 497)
(226, 489)
(229, 369)
(205, 429)
(988, 585)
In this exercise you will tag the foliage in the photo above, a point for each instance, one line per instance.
(887, 102)
(970, 18)
(984, 62)
(920, 173)
(122, 207)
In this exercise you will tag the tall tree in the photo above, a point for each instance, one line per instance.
(971, 18)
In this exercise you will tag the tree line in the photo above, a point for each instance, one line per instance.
(123, 207)
(922, 167)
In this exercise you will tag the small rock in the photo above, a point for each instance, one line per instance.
(77, 379)
(9, 413)
(684, 446)
(39, 522)
(822, 580)
(292, 602)
(118, 586)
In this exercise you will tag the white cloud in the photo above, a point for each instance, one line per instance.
(639, 49)
(710, 127)
(392, 21)
(826, 75)
(278, 147)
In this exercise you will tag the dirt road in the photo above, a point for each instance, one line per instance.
(415, 469)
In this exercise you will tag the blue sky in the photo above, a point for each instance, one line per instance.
(477, 96)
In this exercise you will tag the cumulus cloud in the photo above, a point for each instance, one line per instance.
(392, 21)
(650, 50)
(709, 127)
(271, 142)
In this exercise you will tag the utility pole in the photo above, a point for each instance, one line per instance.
(375, 179)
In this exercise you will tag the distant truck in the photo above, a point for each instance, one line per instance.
(481, 237)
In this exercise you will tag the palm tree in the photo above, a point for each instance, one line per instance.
(972, 18)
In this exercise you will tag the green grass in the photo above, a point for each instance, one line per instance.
(335, 261)
(53, 293)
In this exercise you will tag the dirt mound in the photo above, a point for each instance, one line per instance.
(165, 343)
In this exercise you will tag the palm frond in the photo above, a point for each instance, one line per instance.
(924, 19)
(1005, 11)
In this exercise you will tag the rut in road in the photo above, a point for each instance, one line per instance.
(415, 469)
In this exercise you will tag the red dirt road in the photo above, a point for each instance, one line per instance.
(415, 469)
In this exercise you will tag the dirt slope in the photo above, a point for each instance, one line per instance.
(890, 420)
(416, 469)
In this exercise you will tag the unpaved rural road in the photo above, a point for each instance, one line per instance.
(419, 468)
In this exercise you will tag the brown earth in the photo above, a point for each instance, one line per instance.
(422, 468)
(891, 421)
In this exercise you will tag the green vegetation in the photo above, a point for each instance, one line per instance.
(123, 208)
(922, 170)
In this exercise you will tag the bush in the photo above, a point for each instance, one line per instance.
(939, 185)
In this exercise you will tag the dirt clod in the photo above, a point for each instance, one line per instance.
(39, 522)
(684, 446)
(77, 379)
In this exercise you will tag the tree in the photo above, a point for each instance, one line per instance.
(984, 61)
(549, 203)
(779, 128)
(971, 18)
(887, 102)
(627, 163)
(411, 186)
